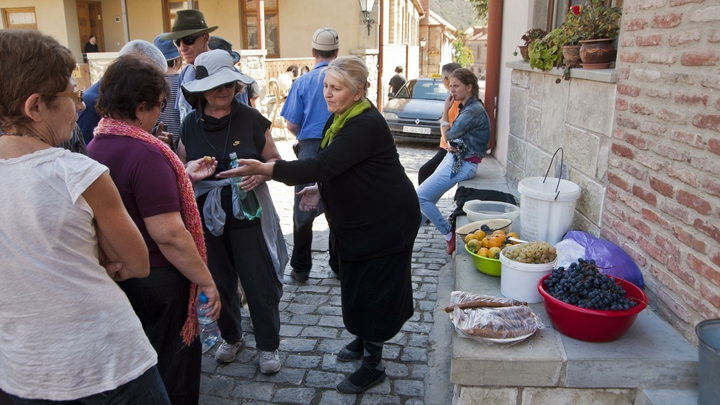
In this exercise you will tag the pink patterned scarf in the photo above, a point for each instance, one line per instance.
(188, 206)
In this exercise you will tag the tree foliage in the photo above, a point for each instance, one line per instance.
(459, 13)
(462, 55)
(480, 7)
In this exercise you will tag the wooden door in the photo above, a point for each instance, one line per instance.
(90, 23)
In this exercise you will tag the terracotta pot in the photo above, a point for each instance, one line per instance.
(524, 52)
(571, 54)
(597, 53)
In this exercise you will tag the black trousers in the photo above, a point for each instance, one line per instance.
(429, 167)
(160, 301)
(242, 252)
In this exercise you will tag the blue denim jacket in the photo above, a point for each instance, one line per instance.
(472, 126)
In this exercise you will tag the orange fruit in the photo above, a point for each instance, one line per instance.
(512, 235)
(470, 237)
(499, 232)
(473, 245)
(480, 234)
(484, 242)
(494, 252)
(494, 242)
(483, 252)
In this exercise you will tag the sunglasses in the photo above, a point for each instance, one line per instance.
(188, 40)
(162, 105)
(226, 85)
(77, 95)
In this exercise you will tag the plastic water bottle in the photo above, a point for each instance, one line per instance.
(236, 180)
(209, 332)
(248, 200)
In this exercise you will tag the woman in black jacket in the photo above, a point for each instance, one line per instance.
(372, 210)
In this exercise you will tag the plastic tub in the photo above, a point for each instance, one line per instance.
(708, 333)
(546, 213)
(519, 280)
(592, 325)
(479, 210)
(491, 267)
(503, 224)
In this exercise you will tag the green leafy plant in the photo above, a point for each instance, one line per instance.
(597, 21)
(546, 53)
(462, 54)
(533, 35)
(571, 26)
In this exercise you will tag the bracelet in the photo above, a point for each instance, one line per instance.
(444, 123)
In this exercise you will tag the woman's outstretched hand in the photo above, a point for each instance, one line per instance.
(247, 167)
(201, 169)
(310, 198)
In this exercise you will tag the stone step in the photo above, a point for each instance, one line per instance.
(650, 355)
(666, 397)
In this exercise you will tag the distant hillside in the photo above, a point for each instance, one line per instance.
(457, 12)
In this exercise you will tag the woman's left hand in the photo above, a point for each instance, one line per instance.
(310, 198)
(201, 169)
(251, 182)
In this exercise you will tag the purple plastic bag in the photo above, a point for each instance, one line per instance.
(609, 257)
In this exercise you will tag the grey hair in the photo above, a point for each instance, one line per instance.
(146, 49)
(351, 71)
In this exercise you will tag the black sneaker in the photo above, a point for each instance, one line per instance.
(299, 277)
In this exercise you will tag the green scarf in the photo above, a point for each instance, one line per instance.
(340, 120)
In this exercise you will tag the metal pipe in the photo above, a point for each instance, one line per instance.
(126, 25)
(381, 54)
(261, 24)
(492, 72)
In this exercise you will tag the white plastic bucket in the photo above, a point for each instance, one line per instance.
(479, 210)
(519, 280)
(546, 213)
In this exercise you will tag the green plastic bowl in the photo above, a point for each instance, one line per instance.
(491, 267)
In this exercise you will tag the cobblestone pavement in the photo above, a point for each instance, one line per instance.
(312, 330)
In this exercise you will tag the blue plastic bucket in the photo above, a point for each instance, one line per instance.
(708, 333)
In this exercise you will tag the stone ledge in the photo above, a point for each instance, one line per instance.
(651, 354)
(666, 397)
(597, 75)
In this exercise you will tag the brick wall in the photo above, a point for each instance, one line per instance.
(663, 195)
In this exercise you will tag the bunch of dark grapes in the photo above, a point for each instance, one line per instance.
(584, 286)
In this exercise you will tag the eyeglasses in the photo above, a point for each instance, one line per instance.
(188, 40)
(226, 85)
(162, 105)
(77, 95)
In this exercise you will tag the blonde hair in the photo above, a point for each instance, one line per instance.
(351, 71)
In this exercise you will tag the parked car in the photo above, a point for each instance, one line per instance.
(415, 111)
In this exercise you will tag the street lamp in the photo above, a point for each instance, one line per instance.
(423, 41)
(366, 7)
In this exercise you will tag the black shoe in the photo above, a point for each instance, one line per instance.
(347, 387)
(348, 355)
(299, 277)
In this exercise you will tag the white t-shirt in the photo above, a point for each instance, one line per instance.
(67, 330)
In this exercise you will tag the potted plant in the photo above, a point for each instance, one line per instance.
(528, 38)
(546, 53)
(571, 30)
(598, 26)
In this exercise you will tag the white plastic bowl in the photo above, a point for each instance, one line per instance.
(478, 210)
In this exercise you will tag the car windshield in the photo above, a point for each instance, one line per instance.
(423, 89)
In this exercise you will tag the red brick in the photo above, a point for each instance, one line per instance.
(666, 21)
(653, 217)
(647, 196)
(661, 58)
(616, 210)
(618, 181)
(693, 201)
(638, 257)
(663, 277)
(707, 121)
(691, 98)
(622, 151)
(630, 57)
(708, 229)
(627, 122)
(704, 269)
(623, 73)
(648, 40)
(662, 187)
(681, 271)
(668, 152)
(677, 78)
(710, 295)
(684, 37)
(668, 245)
(652, 128)
(688, 138)
(699, 58)
(636, 24)
(647, 75)
(704, 164)
(652, 250)
(609, 236)
(714, 37)
(671, 116)
(637, 108)
(717, 105)
(628, 90)
(636, 141)
(630, 169)
(711, 187)
(625, 231)
(640, 225)
(675, 211)
(658, 93)
(689, 239)
(650, 162)
(685, 176)
(610, 193)
(697, 304)
(621, 104)
(632, 203)
(714, 146)
(675, 3)
(715, 259)
(626, 40)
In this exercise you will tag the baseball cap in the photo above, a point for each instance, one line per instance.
(325, 39)
(225, 45)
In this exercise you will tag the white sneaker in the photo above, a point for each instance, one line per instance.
(269, 362)
(227, 352)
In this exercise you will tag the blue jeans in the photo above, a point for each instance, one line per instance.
(430, 191)
(148, 389)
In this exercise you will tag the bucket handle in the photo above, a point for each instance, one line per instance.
(562, 154)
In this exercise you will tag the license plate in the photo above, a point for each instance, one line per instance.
(416, 130)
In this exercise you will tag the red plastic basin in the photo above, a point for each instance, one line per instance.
(593, 325)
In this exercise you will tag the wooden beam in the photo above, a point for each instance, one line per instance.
(260, 4)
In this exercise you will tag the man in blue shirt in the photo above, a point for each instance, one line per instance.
(306, 113)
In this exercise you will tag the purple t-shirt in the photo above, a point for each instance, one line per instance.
(145, 179)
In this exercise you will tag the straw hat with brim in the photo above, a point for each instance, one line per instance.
(212, 69)
(188, 22)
